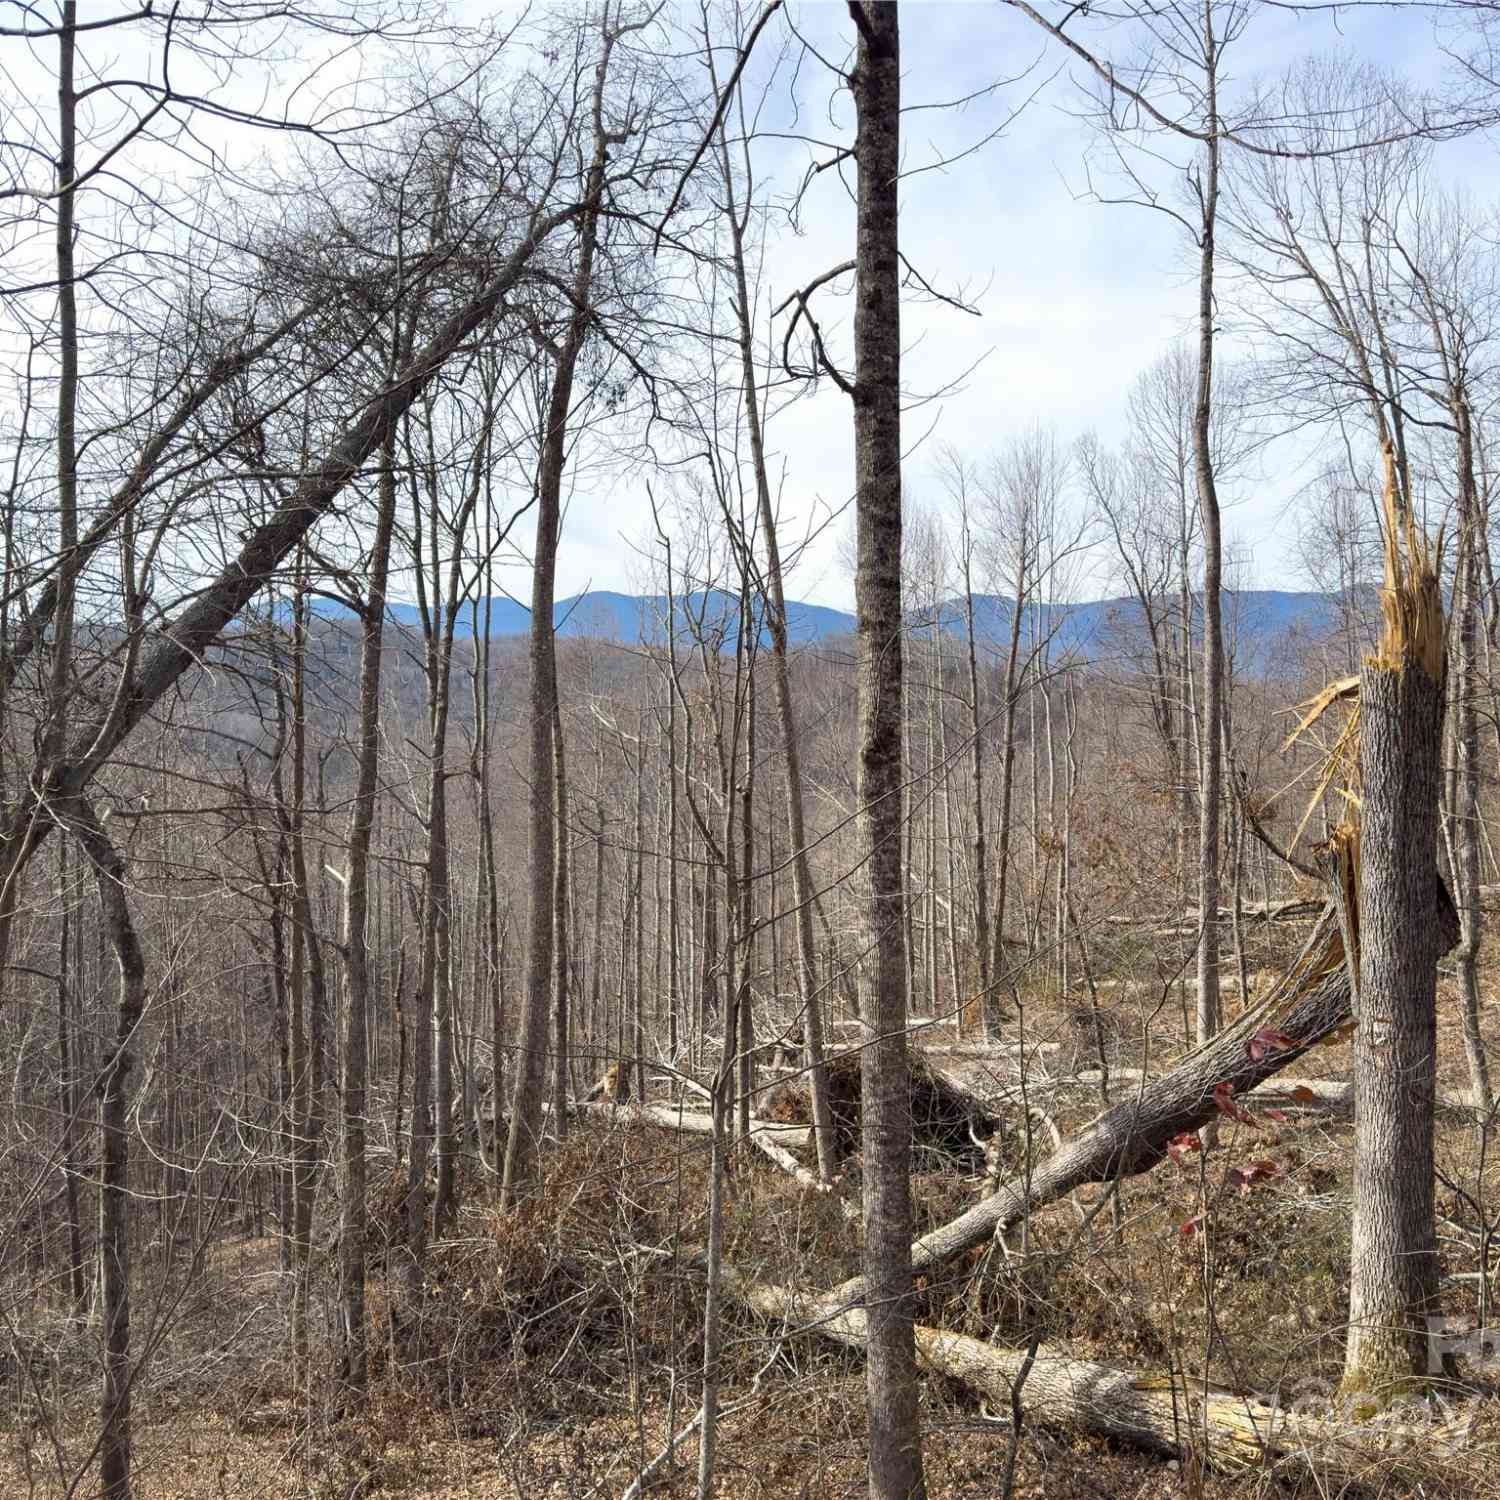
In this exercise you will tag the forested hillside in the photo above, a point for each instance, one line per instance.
(626, 869)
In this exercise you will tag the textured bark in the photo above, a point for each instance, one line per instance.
(895, 1457)
(1467, 815)
(1393, 1258)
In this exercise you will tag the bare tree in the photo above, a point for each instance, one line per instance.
(895, 1464)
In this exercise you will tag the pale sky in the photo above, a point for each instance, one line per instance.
(1076, 298)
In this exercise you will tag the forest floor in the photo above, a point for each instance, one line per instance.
(559, 1345)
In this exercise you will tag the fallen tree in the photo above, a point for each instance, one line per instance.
(1173, 1416)
(1308, 1004)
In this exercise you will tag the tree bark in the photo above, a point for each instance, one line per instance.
(1393, 1257)
(781, 681)
(114, 1127)
(895, 1456)
(1209, 1011)
(1158, 1414)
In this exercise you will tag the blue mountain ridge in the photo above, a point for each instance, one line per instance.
(1255, 619)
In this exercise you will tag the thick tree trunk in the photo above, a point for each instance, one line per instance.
(895, 1461)
(1393, 1258)
(1161, 1415)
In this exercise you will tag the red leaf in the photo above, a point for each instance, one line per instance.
(1304, 1095)
(1267, 1039)
(1190, 1228)
(1227, 1104)
(1244, 1178)
(1275, 1114)
(1180, 1145)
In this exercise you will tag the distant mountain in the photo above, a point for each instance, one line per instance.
(605, 615)
(1256, 620)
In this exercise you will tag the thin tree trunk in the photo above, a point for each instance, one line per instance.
(561, 1021)
(1467, 819)
(993, 1014)
(526, 1102)
(357, 1015)
(68, 1085)
(781, 684)
(989, 1001)
(1209, 1016)
(114, 1174)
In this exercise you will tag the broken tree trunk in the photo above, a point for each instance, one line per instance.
(1310, 1001)
(1162, 1414)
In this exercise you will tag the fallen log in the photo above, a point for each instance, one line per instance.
(1310, 1002)
(790, 1165)
(697, 1122)
(1164, 1415)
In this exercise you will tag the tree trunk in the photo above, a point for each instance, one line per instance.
(1311, 1000)
(993, 1013)
(67, 1084)
(1144, 1410)
(895, 1458)
(526, 1111)
(781, 682)
(352, 1212)
(560, 1018)
(1393, 1257)
(1209, 1013)
(114, 1127)
(1467, 814)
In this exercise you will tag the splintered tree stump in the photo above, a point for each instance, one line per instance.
(613, 1086)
